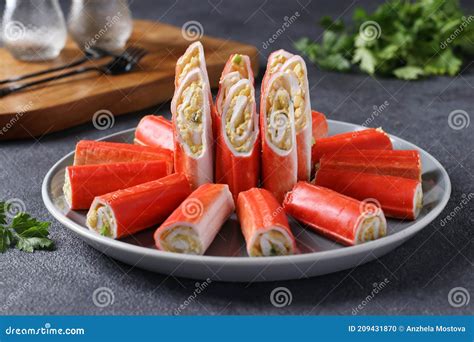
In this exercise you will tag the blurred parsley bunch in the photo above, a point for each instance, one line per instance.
(402, 38)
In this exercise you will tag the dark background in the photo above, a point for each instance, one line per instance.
(421, 272)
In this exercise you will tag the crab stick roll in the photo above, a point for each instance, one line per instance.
(396, 163)
(303, 117)
(128, 211)
(264, 224)
(155, 131)
(277, 125)
(192, 58)
(338, 217)
(192, 227)
(399, 197)
(274, 63)
(84, 182)
(367, 139)
(319, 125)
(192, 126)
(104, 152)
(238, 67)
(238, 147)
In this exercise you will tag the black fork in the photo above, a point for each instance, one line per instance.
(89, 55)
(119, 65)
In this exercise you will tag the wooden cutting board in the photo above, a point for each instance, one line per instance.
(65, 103)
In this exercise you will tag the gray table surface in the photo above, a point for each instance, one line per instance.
(421, 272)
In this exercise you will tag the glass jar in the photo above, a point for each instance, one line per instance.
(98, 23)
(34, 30)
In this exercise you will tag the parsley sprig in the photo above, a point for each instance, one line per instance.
(402, 38)
(23, 232)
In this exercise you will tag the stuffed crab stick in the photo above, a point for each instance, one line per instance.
(399, 197)
(303, 117)
(104, 152)
(367, 139)
(155, 131)
(84, 182)
(338, 217)
(275, 62)
(399, 163)
(192, 227)
(238, 147)
(264, 224)
(319, 125)
(128, 211)
(277, 126)
(192, 126)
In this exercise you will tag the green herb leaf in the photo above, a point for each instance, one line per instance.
(24, 232)
(405, 39)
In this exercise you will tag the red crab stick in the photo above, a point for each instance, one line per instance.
(237, 67)
(338, 217)
(192, 227)
(399, 197)
(103, 152)
(264, 224)
(128, 211)
(277, 127)
(155, 131)
(84, 182)
(320, 125)
(367, 139)
(397, 163)
(192, 126)
(238, 144)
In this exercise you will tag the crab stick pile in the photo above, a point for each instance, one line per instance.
(186, 176)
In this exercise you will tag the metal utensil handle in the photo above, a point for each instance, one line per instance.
(44, 72)
(6, 91)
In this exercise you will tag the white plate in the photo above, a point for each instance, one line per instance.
(226, 259)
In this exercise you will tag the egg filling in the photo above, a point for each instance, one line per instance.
(67, 189)
(239, 124)
(190, 115)
(276, 63)
(279, 105)
(418, 201)
(299, 97)
(238, 65)
(226, 83)
(271, 243)
(181, 239)
(101, 219)
(189, 62)
(371, 228)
